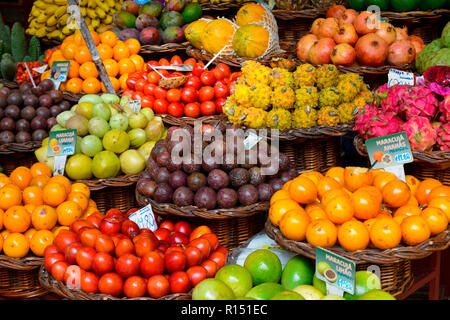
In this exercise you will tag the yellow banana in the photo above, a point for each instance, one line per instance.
(83, 3)
(100, 13)
(48, 1)
(118, 6)
(60, 2)
(35, 12)
(91, 13)
(83, 11)
(49, 29)
(40, 4)
(87, 20)
(52, 21)
(66, 31)
(54, 34)
(51, 10)
(111, 3)
(91, 4)
(108, 19)
(30, 31)
(95, 23)
(40, 33)
(42, 18)
(60, 11)
(103, 5)
(63, 20)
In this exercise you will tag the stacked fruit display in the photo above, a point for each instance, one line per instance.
(118, 57)
(111, 255)
(305, 98)
(28, 113)
(202, 92)
(111, 137)
(263, 278)
(415, 110)
(35, 207)
(51, 19)
(346, 37)
(156, 22)
(356, 208)
(205, 183)
(436, 53)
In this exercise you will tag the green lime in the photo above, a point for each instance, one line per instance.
(365, 281)
(383, 4)
(377, 295)
(332, 297)
(287, 295)
(236, 277)
(298, 270)
(265, 291)
(320, 285)
(264, 266)
(212, 289)
(404, 5)
(358, 5)
(432, 4)
(191, 12)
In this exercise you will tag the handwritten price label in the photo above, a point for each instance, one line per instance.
(144, 218)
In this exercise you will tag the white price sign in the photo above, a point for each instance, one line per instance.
(144, 218)
(135, 105)
(400, 77)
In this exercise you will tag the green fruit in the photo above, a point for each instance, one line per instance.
(92, 98)
(333, 297)
(191, 12)
(264, 291)
(85, 109)
(118, 121)
(264, 266)
(287, 295)
(424, 55)
(365, 281)
(376, 295)
(91, 145)
(109, 98)
(101, 110)
(445, 36)
(146, 148)
(308, 292)
(236, 277)
(212, 289)
(383, 4)
(358, 5)
(432, 4)
(132, 162)
(298, 270)
(124, 19)
(320, 285)
(105, 165)
(152, 8)
(171, 18)
(404, 5)
(137, 137)
(78, 167)
(98, 127)
(116, 141)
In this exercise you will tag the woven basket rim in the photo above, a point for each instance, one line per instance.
(56, 286)
(28, 262)
(188, 121)
(9, 84)
(29, 146)
(369, 255)
(119, 181)
(167, 47)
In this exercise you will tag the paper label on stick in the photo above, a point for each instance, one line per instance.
(144, 218)
(400, 77)
(135, 105)
(251, 140)
(59, 72)
(62, 143)
(59, 165)
(388, 151)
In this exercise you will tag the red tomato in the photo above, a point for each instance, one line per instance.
(128, 93)
(89, 282)
(130, 229)
(219, 258)
(190, 61)
(149, 89)
(163, 246)
(235, 75)
(59, 269)
(183, 227)
(131, 82)
(147, 102)
(164, 62)
(108, 226)
(193, 82)
(137, 95)
(146, 244)
(174, 249)
(123, 247)
(85, 258)
(104, 243)
(222, 249)
(196, 274)
(179, 282)
(64, 238)
(218, 74)
(192, 110)
(165, 73)
(152, 263)
(51, 249)
(175, 109)
(176, 60)
(160, 93)
(103, 263)
(127, 265)
(207, 78)
(71, 252)
(135, 287)
(198, 69)
(211, 267)
(158, 286)
(193, 256)
(206, 94)
(225, 70)
(213, 240)
(176, 74)
(78, 224)
(115, 213)
(198, 232)
(143, 75)
(219, 105)
(162, 234)
(203, 245)
(174, 261)
(152, 63)
(178, 238)
(146, 230)
(51, 258)
(208, 108)
(220, 90)
(189, 95)
(153, 77)
(160, 106)
(111, 283)
(174, 95)
(167, 224)
(140, 85)
(94, 220)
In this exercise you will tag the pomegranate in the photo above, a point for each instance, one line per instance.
(304, 44)
(343, 54)
(335, 11)
(417, 43)
(348, 16)
(321, 50)
(402, 33)
(315, 26)
(387, 32)
(401, 52)
(328, 28)
(365, 23)
(371, 50)
(346, 34)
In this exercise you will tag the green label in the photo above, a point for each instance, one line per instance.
(335, 270)
(62, 143)
(388, 151)
(59, 71)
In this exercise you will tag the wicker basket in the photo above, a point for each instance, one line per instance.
(13, 160)
(292, 5)
(164, 48)
(121, 198)
(183, 121)
(9, 84)
(326, 3)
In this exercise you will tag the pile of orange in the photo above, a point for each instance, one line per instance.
(356, 208)
(35, 206)
(119, 58)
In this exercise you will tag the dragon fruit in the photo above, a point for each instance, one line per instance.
(419, 101)
(421, 133)
(443, 139)
(372, 123)
(362, 119)
(393, 100)
(444, 107)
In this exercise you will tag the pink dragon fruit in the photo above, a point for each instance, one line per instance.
(372, 123)
(421, 133)
(392, 98)
(443, 137)
(419, 101)
(362, 119)
(444, 108)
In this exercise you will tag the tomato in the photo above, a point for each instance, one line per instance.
(213, 240)
(220, 90)
(143, 75)
(115, 213)
(85, 258)
(158, 286)
(193, 82)
(147, 102)
(128, 93)
(131, 82)
(191, 61)
(71, 252)
(174, 95)
(64, 238)
(111, 283)
(78, 224)
(163, 246)
(152, 263)
(160, 93)
(51, 258)
(206, 94)
(218, 74)
(174, 249)
(149, 89)
(219, 258)
(152, 63)
(193, 256)
(179, 282)
(130, 229)
(189, 94)
(235, 75)
(225, 70)
(222, 249)
(103, 263)
(137, 95)
(164, 62)
(175, 109)
(211, 267)
(104, 243)
(178, 238)
(146, 230)
(153, 77)
(207, 78)
(89, 282)
(127, 265)
(203, 245)
(146, 244)
(140, 85)
(59, 269)
(124, 246)
(208, 108)
(201, 64)
(109, 226)
(174, 261)
(94, 220)
(51, 249)
(192, 110)
(167, 224)
(198, 69)
(162, 234)
(165, 73)
(160, 106)
(219, 105)
(135, 287)
(196, 274)
(199, 231)
(176, 74)
(176, 60)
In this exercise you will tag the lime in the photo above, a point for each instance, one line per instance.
(365, 281)
(333, 297)
(264, 291)
(191, 12)
(236, 277)
(287, 295)
(319, 285)
(298, 270)
(383, 4)
(404, 5)
(308, 292)
(212, 289)
(376, 295)
(358, 5)
(78, 167)
(264, 266)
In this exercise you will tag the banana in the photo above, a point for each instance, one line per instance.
(87, 20)
(50, 10)
(83, 3)
(91, 4)
(54, 34)
(91, 13)
(48, 1)
(40, 4)
(108, 19)
(63, 20)
(52, 21)
(95, 23)
(60, 2)
(100, 13)
(83, 11)
(30, 31)
(103, 5)
(42, 18)
(112, 3)
(60, 11)
(66, 31)
(40, 33)
(118, 6)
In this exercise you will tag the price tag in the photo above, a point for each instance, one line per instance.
(400, 77)
(144, 218)
(399, 171)
(60, 145)
(336, 271)
(251, 140)
(41, 69)
(59, 72)
(135, 105)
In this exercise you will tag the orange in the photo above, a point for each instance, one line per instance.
(105, 51)
(78, 38)
(384, 215)
(385, 233)
(2, 213)
(44, 217)
(74, 85)
(29, 208)
(313, 175)
(32, 195)
(109, 38)
(68, 212)
(321, 233)
(81, 187)
(278, 195)
(440, 191)
(126, 66)
(112, 67)
(69, 50)
(123, 81)
(88, 70)
(83, 55)
(374, 192)
(369, 223)
(10, 195)
(337, 173)
(40, 181)
(317, 213)
(382, 179)
(17, 219)
(89, 211)
(286, 185)
(333, 194)
(138, 61)
(356, 177)
(408, 210)
(57, 55)
(424, 189)
(30, 233)
(79, 198)
(38, 169)
(365, 203)
(91, 86)
(436, 219)
(293, 224)
(115, 83)
(399, 219)
(5, 234)
(313, 206)
(92, 203)
(375, 173)
(415, 230)
(326, 184)
(442, 203)
(95, 37)
(69, 39)
(353, 235)
(16, 245)
(1, 243)
(21, 177)
(279, 208)
(54, 194)
(413, 201)
(41, 240)
(412, 183)
(133, 45)
(303, 190)
(396, 193)
(63, 181)
(339, 210)
(4, 180)
(121, 51)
